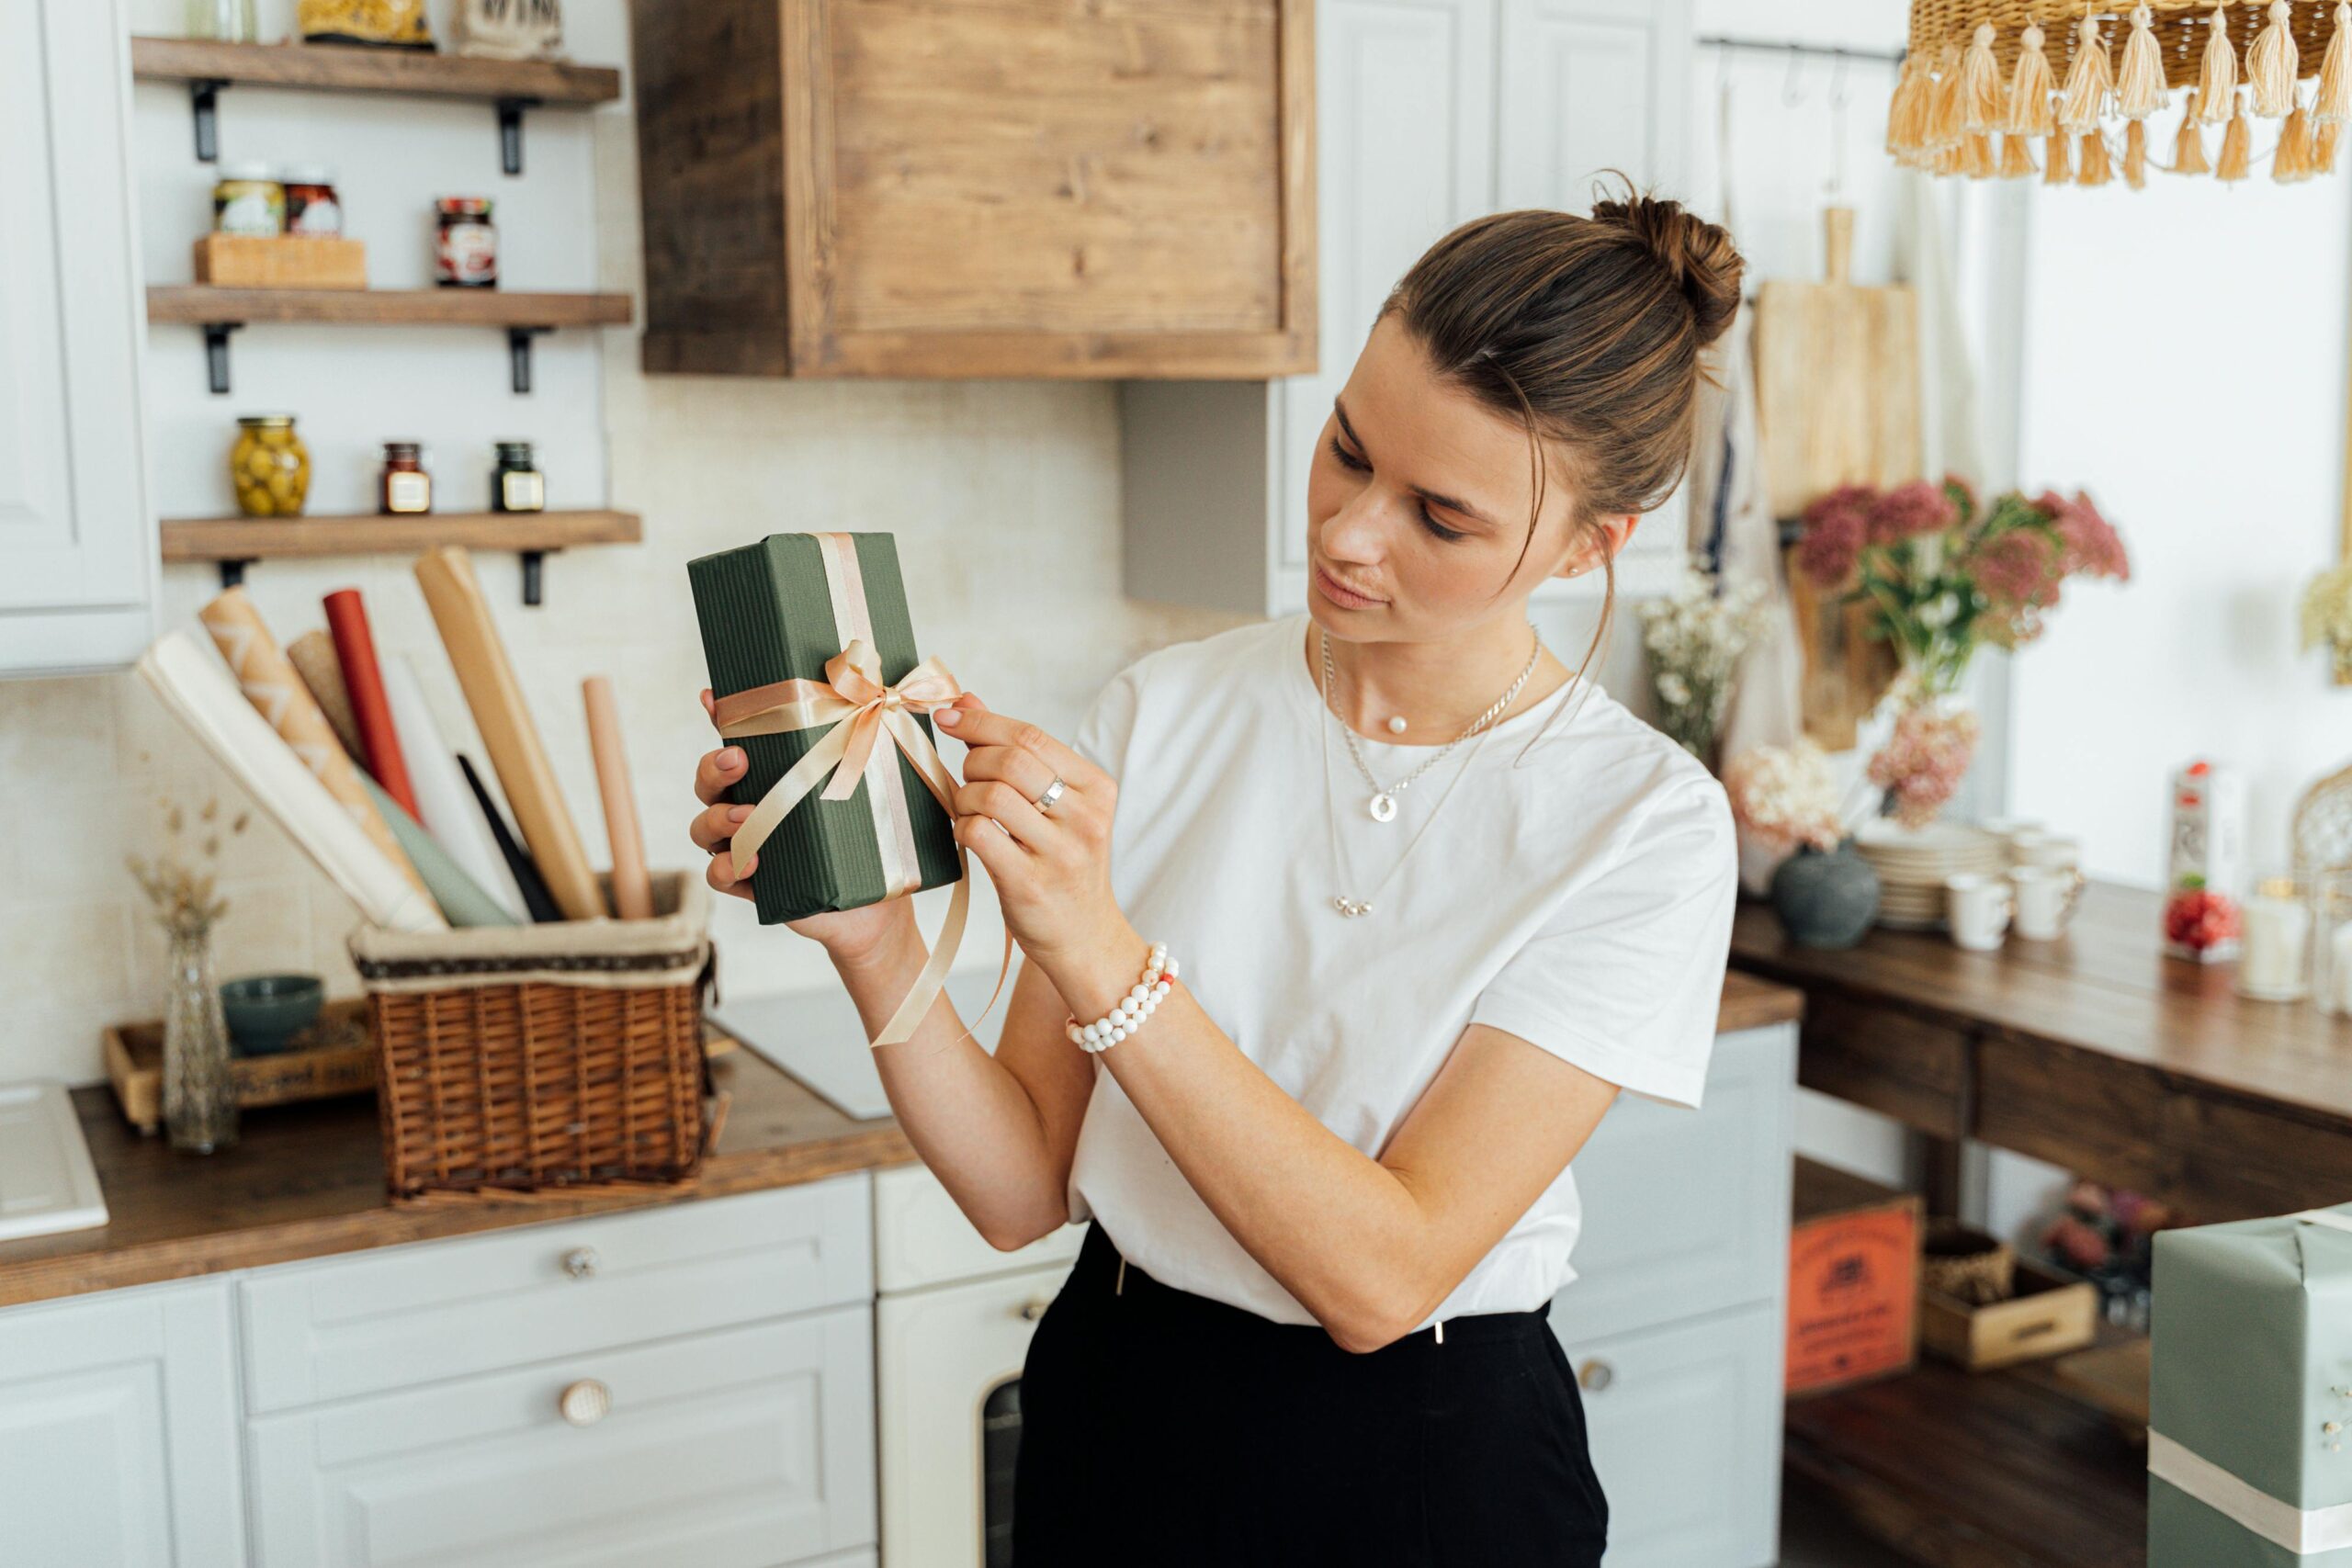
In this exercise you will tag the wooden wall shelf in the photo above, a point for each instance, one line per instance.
(234, 542)
(511, 85)
(220, 312)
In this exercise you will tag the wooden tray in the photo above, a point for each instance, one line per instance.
(2050, 1315)
(335, 1056)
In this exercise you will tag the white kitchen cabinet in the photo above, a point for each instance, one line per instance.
(1412, 139)
(1676, 1318)
(1685, 1434)
(731, 1449)
(118, 1431)
(78, 558)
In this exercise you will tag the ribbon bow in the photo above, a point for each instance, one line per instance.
(859, 706)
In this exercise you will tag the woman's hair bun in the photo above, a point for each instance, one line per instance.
(1698, 256)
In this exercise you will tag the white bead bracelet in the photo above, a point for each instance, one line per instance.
(1140, 1002)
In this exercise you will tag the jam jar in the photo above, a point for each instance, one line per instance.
(516, 484)
(467, 255)
(404, 486)
(269, 468)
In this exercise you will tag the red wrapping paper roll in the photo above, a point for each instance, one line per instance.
(355, 647)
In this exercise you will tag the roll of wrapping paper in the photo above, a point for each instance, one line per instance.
(632, 889)
(464, 901)
(355, 650)
(449, 814)
(535, 897)
(455, 597)
(198, 693)
(278, 693)
(312, 656)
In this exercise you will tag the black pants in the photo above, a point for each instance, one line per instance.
(1161, 1426)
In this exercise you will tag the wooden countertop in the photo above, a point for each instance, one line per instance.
(308, 1180)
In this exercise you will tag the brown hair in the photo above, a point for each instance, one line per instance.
(1589, 330)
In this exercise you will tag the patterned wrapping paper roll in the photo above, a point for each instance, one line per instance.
(271, 683)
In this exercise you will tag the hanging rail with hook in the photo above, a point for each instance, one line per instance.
(1825, 52)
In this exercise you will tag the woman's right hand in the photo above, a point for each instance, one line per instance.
(847, 934)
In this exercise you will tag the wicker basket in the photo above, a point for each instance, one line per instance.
(548, 1057)
(2181, 28)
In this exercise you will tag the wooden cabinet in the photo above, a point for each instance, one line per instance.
(1429, 113)
(118, 1431)
(74, 529)
(977, 188)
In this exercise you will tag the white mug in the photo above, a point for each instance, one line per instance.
(2045, 900)
(1977, 908)
(2036, 848)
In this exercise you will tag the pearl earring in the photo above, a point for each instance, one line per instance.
(1397, 725)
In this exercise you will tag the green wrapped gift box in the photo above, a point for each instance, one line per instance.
(776, 611)
(2250, 1394)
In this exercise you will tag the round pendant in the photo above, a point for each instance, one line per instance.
(1382, 805)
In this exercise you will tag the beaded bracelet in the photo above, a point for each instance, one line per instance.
(1140, 1002)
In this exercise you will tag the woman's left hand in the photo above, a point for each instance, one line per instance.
(1052, 869)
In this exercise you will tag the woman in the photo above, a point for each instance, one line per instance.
(1326, 1182)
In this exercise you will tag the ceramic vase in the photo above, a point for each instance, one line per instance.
(1826, 898)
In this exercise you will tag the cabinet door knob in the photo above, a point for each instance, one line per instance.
(1594, 1375)
(585, 1403)
(580, 1262)
(1035, 1307)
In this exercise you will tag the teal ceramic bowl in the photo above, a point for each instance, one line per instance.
(264, 1011)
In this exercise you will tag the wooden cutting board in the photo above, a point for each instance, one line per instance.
(1838, 402)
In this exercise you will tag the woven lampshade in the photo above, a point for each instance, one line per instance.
(1985, 80)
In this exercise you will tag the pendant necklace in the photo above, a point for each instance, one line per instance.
(1354, 906)
(1382, 802)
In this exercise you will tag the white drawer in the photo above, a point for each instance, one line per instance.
(1685, 1434)
(737, 1448)
(1686, 1212)
(445, 1309)
(920, 1238)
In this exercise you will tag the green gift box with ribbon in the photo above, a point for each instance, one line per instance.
(2250, 1394)
(786, 625)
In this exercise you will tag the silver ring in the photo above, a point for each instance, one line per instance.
(1053, 793)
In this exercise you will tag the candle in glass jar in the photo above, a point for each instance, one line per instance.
(2270, 964)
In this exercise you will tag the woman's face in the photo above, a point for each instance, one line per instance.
(1419, 498)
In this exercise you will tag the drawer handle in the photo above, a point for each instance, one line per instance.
(1595, 1376)
(585, 1403)
(1035, 1307)
(581, 1262)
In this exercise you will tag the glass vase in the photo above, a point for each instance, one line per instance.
(200, 1095)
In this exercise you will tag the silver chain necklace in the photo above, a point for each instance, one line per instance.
(1340, 901)
(1382, 802)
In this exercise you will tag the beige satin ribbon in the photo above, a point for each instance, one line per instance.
(860, 708)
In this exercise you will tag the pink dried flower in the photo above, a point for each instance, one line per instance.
(2092, 546)
(1785, 795)
(2019, 570)
(1922, 763)
(1829, 549)
(1910, 510)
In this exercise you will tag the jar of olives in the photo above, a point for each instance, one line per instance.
(269, 466)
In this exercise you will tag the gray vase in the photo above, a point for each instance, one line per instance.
(1826, 898)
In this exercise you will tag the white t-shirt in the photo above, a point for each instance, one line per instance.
(1581, 899)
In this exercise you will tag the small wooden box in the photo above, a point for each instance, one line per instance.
(335, 1056)
(1853, 1280)
(2049, 1315)
(281, 261)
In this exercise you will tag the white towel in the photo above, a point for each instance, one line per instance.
(201, 694)
(444, 803)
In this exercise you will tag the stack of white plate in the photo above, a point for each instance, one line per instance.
(1912, 863)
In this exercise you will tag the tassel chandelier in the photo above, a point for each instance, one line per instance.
(1984, 80)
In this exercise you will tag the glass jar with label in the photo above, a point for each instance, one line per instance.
(516, 484)
(467, 255)
(248, 199)
(311, 207)
(269, 468)
(404, 486)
